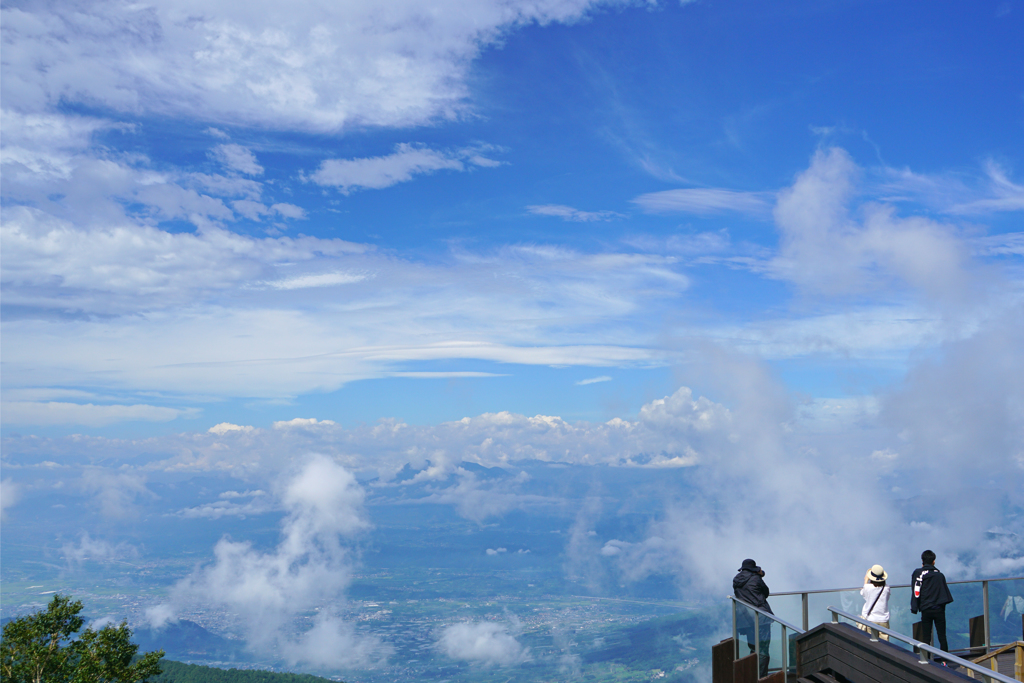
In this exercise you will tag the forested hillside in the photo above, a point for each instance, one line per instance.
(177, 672)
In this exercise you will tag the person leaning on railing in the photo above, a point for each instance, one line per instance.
(749, 586)
(876, 599)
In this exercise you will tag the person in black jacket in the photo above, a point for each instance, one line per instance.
(930, 596)
(749, 586)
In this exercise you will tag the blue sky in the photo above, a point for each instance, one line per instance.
(777, 243)
(529, 155)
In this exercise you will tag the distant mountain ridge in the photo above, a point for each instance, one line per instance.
(188, 640)
(178, 672)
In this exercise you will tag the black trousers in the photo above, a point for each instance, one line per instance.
(938, 617)
(766, 643)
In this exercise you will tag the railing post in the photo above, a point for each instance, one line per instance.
(985, 612)
(757, 641)
(735, 634)
(785, 654)
(835, 618)
(803, 606)
(874, 635)
(922, 655)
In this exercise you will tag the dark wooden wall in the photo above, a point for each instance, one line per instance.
(850, 652)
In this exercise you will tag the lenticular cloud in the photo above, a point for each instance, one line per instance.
(308, 571)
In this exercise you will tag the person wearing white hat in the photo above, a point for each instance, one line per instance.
(876, 599)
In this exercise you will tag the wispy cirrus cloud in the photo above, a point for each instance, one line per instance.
(568, 213)
(43, 413)
(594, 380)
(707, 200)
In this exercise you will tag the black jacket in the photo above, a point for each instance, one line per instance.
(749, 587)
(934, 591)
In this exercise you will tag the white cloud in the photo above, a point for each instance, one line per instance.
(226, 428)
(58, 412)
(406, 161)
(496, 551)
(826, 250)
(1004, 194)
(958, 194)
(703, 201)
(226, 508)
(483, 642)
(309, 569)
(303, 422)
(289, 210)
(237, 158)
(114, 493)
(199, 302)
(97, 550)
(320, 280)
(594, 380)
(54, 263)
(570, 214)
(301, 65)
(10, 493)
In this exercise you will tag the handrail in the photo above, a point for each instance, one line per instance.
(892, 585)
(757, 633)
(919, 647)
(771, 616)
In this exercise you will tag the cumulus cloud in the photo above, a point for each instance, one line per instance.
(826, 248)
(309, 569)
(301, 422)
(226, 427)
(375, 173)
(570, 214)
(237, 158)
(482, 642)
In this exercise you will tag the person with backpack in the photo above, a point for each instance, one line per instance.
(749, 586)
(876, 599)
(930, 597)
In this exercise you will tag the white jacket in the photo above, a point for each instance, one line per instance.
(881, 611)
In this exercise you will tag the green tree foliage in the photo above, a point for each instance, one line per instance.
(41, 648)
(177, 672)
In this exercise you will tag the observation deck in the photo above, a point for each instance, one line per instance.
(832, 644)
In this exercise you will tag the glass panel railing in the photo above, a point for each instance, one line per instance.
(967, 604)
(818, 604)
(764, 634)
(1006, 605)
(1005, 609)
(900, 618)
(788, 608)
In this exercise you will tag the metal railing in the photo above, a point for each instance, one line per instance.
(921, 649)
(986, 608)
(757, 632)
